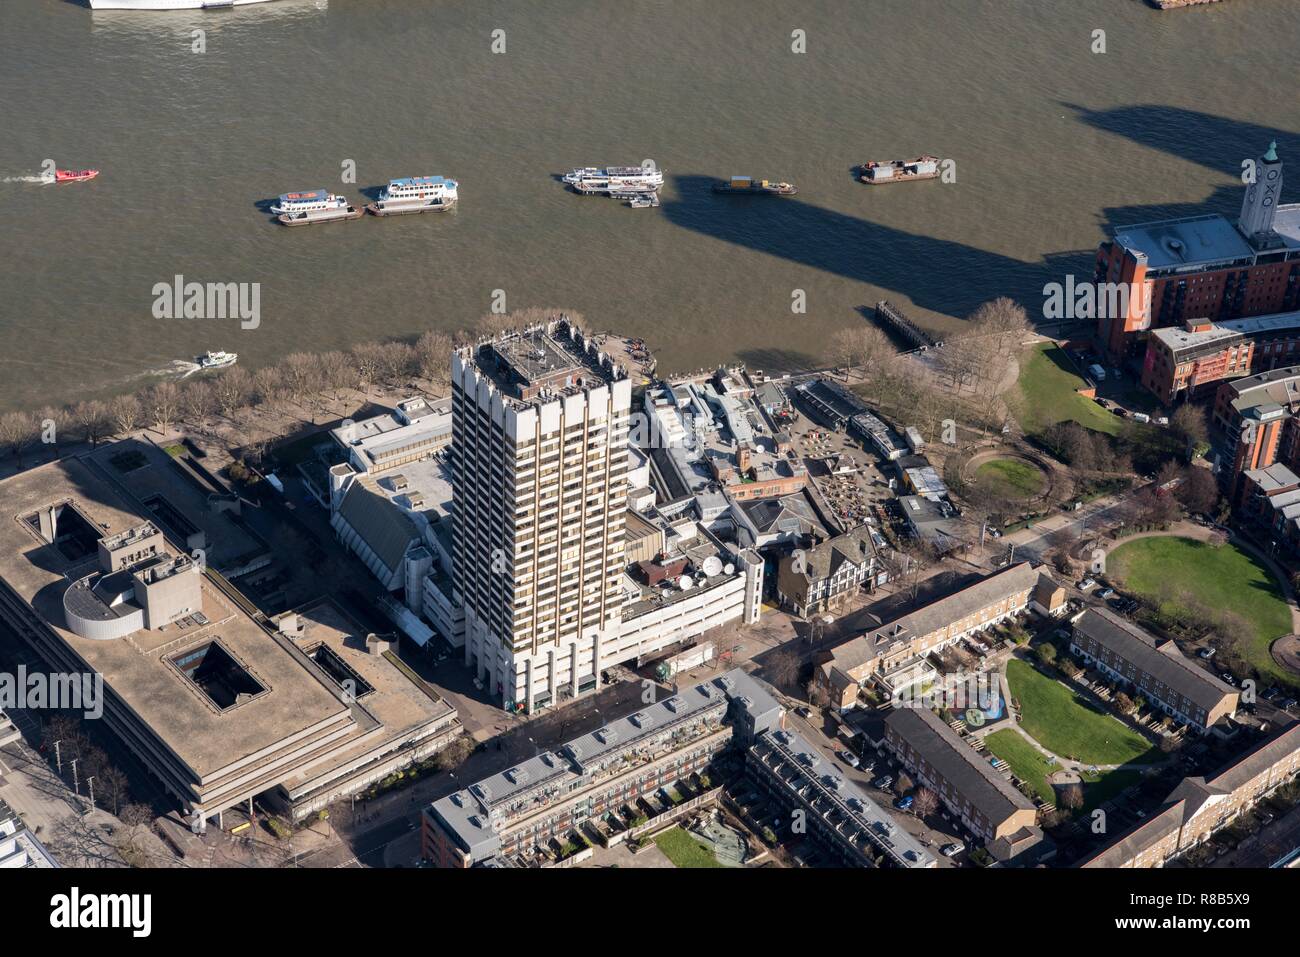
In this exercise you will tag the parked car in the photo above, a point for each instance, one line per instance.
(1087, 583)
(905, 802)
(884, 781)
(1229, 679)
(1106, 593)
(803, 712)
(848, 758)
(868, 766)
(953, 849)
(1205, 654)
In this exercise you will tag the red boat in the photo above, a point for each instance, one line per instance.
(73, 176)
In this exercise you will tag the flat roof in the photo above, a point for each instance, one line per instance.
(138, 667)
(1191, 241)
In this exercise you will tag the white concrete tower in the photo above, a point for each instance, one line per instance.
(539, 463)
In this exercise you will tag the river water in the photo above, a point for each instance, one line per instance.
(1050, 141)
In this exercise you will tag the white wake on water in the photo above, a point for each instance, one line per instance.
(176, 369)
(26, 179)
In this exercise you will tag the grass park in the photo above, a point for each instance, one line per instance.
(1224, 578)
(684, 850)
(1010, 479)
(1071, 725)
(1047, 394)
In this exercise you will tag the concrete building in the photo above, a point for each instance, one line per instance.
(893, 655)
(512, 816)
(1200, 806)
(817, 579)
(19, 847)
(539, 466)
(220, 707)
(412, 432)
(837, 812)
(1203, 267)
(1157, 671)
(963, 780)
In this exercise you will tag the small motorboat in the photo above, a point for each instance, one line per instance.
(74, 176)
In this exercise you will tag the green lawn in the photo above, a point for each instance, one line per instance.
(1029, 765)
(1226, 579)
(1066, 724)
(1026, 762)
(684, 850)
(1010, 479)
(1046, 393)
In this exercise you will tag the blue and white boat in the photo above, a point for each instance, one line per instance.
(307, 201)
(313, 206)
(415, 194)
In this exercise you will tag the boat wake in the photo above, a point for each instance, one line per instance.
(176, 369)
(27, 179)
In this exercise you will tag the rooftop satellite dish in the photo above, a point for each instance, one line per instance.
(712, 566)
(686, 583)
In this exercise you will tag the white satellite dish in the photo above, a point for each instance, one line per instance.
(712, 566)
(730, 569)
(686, 583)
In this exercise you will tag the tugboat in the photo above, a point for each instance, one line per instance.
(314, 206)
(747, 185)
(74, 176)
(900, 171)
(217, 360)
(415, 194)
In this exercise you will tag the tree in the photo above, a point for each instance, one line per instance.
(17, 431)
(1190, 424)
(124, 410)
(197, 403)
(782, 667)
(433, 357)
(925, 803)
(163, 405)
(91, 418)
(1124, 703)
(1072, 796)
(1046, 654)
(903, 784)
(1198, 491)
(367, 360)
(111, 786)
(231, 389)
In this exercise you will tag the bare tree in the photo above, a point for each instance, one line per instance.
(231, 389)
(335, 372)
(925, 802)
(367, 360)
(124, 410)
(17, 431)
(92, 419)
(395, 361)
(433, 358)
(197, 403)
(163, 404)
(300, 369)
(111, 785)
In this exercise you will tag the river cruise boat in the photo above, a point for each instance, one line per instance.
(614, 179)
(415, 194)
